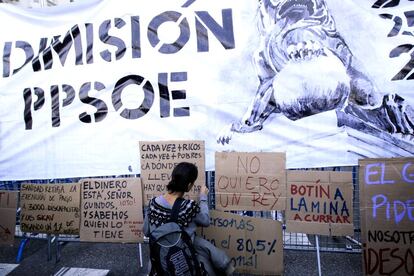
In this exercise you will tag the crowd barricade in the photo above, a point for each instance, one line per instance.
(292, 241)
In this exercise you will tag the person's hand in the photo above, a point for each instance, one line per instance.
(203, 190)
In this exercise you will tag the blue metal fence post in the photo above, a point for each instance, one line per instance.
(23, 243)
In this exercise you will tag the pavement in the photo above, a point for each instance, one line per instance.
(124, 259)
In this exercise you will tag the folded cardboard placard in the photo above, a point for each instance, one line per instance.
(158, 159)
(250, 181)
(111, 210)
(255, 245)
(387, 215)
(319, 202)
(50, 208)
(8, 208)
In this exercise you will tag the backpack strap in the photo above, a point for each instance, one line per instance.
(185, 237)
(176, 209)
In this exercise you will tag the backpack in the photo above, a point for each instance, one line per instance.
(171, 249)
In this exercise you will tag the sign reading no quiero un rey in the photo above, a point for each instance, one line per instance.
(250, 181)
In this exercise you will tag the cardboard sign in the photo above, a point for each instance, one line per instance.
(319, 202)
(50, 208)
(8, 208)
(250, 181)
(387, 215)
(111, 210)
(254, 245)
(158, 159)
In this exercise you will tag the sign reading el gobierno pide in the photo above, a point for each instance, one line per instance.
(387, 215)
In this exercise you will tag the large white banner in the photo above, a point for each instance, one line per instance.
(327, 82)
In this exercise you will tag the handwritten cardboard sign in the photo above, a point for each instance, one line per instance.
(387, 215)
(159, 158)
(319, 202)
(254, 245)
(250, 181)
(8, 208)
(111, 210)
(50, 208)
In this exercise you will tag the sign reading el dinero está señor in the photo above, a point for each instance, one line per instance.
(111, 210)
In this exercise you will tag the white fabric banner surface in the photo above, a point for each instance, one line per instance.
(327, 82)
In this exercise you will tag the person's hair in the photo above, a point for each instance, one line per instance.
(183, 175)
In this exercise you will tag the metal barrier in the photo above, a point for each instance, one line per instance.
(300, 241)
(295, 241)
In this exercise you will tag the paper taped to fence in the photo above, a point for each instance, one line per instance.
(158, 159)
(250, 181)
(387, 215)
(319, 202)
(8, 209)
(255, 245)
(50, 208)
(111, 210)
